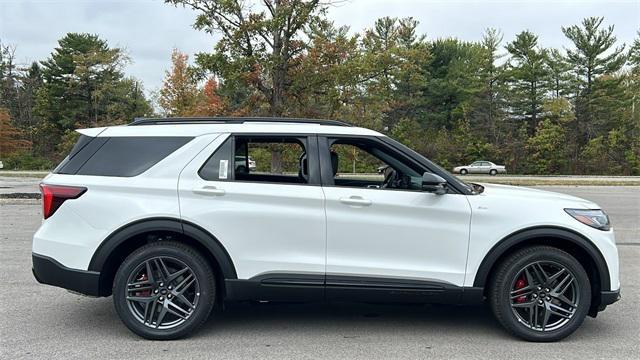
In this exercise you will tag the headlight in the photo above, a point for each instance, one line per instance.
(595, 218)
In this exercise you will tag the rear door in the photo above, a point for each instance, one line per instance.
(270, 220)
(486, 167)
(475, 167)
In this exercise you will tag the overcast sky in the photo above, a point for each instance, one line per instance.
(149, 29)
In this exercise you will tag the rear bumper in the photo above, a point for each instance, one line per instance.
(48, 271)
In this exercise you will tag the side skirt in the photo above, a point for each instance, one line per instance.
(315, 288)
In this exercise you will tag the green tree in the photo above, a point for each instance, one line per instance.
(453, 84)
(81, 85)
(594, 53)
(8, 79)
(258, 46)
(559, 80)
(489, 110)
(527, 75)
(547, 148)
(78, 78)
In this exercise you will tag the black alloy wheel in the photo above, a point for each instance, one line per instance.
(540, 293)
(164, 290)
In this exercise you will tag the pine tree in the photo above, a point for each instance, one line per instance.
(527, 74)
(593, 55)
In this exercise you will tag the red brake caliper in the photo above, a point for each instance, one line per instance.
(144, 292)
(520, 284)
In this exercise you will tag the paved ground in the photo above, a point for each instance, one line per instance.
(45, 322)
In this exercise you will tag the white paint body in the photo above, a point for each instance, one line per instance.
(305, 228)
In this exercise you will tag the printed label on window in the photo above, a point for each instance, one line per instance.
(222, 172)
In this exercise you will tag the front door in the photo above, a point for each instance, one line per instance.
(383, 231)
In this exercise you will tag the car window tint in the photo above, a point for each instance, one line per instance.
(217, 167)
(119, 156)
(271, 159)
(358, 163)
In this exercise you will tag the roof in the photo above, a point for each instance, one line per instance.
(202, 126)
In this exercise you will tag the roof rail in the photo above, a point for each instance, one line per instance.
(231, 120)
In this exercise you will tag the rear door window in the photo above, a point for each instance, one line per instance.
(272, 159)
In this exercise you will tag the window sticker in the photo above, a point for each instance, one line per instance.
(222, 172)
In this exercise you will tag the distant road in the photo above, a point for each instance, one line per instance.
(554, 179)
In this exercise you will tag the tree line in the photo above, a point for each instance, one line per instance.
(537, 110)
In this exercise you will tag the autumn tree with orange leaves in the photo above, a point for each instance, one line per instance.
(179, 92)
(10, 141)
(208, 102)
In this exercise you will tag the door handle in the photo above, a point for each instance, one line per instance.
(355, 201)
(209, 190)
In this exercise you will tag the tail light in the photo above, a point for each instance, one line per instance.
(54, 195)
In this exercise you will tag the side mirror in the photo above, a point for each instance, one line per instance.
(434, 183)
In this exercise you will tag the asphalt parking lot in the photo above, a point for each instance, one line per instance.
(45, 322)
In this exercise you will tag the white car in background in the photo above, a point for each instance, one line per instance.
(480, 167)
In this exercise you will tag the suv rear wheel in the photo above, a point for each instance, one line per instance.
(540, 293)
(164, 291)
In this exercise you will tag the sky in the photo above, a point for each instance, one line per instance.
(149, 29)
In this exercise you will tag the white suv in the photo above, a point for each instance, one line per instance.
(157, 214)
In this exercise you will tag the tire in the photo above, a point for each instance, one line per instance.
(516, 314)
(493, 172)
(463, 172)
(152, 294)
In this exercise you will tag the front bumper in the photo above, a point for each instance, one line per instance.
(48, 271)
(608, 298)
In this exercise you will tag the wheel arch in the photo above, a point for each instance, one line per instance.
(574, 243)
(119, 244)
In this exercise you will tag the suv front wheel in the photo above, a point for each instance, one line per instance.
(540, 293)
(164, 290)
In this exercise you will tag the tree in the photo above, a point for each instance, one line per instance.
(8, 79)
(81, 79)
(209, 102)
(10, 141)
(488, 112)
(179, 92)
(527, 75)
(559, 79)
(591, 56)
(548, 146)
(258, 47)
(453, 84)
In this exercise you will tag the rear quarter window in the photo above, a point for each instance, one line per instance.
(119, 156)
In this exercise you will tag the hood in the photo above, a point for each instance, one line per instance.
(529, 193)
